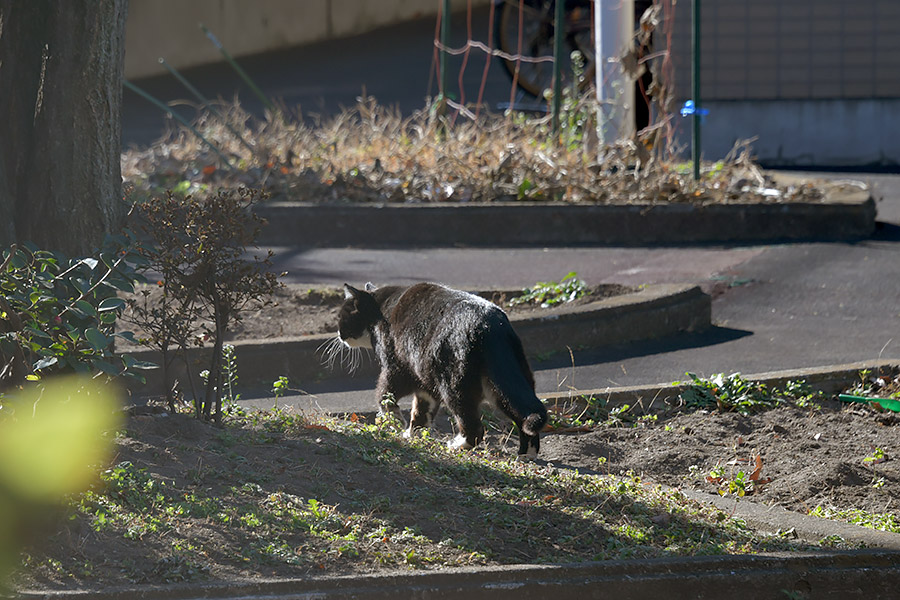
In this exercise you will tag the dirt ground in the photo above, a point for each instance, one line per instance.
(297, 311)
(189, 501)
(830, 454)
(809, 457)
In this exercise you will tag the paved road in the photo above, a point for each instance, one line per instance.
(777, 306)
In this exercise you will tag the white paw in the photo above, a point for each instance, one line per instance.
(459, 442)
(407, 433)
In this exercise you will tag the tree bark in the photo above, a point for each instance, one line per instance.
(61, 70)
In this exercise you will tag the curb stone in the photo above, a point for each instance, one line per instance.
(855, 574)
(650, 312)
(846, 212)
(828, 379)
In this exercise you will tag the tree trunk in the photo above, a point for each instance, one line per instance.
(61, 69)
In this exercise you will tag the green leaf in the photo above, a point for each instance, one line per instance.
(106, 367)
(97, 339)
(36, 332)
(121, 284)
(111, 304)
(80, 284)
(126, 335)
(87, 308)
(144, 364)
(47, 361)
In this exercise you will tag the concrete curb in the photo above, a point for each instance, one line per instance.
(653, 311)
(775, 520)
(846, 213)
(654, 398)
(860, 574)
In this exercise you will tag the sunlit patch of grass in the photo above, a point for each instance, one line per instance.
(872, 520)
(421, 505)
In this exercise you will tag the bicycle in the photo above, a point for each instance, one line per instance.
(534, 18)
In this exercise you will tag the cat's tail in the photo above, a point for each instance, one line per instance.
(512, 380)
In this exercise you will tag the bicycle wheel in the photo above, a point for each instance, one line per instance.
(537, 32)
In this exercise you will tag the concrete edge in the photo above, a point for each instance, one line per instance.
(854, 574)
(779, 520)
(653, 311)
(844, 214)
(651, 398)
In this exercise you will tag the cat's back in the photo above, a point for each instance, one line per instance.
(432, 309)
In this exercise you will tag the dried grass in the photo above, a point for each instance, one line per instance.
(372, 154)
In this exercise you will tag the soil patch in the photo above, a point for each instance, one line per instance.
(832, 455)
(279, 494)
(298, 311)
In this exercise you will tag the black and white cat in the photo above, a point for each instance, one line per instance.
(445, 346)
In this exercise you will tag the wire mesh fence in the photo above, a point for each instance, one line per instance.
(519, 39)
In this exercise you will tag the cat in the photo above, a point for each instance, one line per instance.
(445, 346)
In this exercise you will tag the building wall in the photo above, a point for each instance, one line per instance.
(169, 28)
(817, 80)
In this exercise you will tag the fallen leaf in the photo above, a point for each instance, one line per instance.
(754, 476)
(209, 169)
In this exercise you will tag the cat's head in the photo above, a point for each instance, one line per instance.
(358, 313)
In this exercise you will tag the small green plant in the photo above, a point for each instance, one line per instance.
(229, 378)
(280, 386)
(199, 246)
(877, 456)
(551, 293)
(802, 394)
(728, 393)
(618, 416)
(871, 520)
(58, 315)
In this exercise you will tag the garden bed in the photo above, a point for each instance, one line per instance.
(284, 494)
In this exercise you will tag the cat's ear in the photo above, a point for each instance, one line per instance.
(350, 291)
(370, 287)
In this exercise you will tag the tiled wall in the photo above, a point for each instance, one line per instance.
(791, 49)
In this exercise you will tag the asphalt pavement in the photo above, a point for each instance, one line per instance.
(775, 307)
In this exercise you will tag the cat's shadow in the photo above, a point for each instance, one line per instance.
(593, 356)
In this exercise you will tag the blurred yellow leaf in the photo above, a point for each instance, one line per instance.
(54, 443)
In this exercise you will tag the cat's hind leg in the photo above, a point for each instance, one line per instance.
(424, 409)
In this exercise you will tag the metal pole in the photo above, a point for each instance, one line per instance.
(598, 69)
(445, 43)
(559, 16)
(237, 68)
(695, 78)
(187, 84)
(178, 118)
